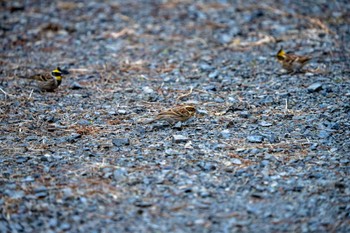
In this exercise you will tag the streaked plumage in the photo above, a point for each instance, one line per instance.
(48, 81)
(176, 114)
(292, 62)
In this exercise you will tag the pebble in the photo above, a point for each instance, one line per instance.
(84, 122)
(120, 173)
(18, 194)
(147, 90)
(225, 133)
(205, 66)
(73, 137)
(324, 134)
(236, 161)
(244, 114)
(171, 152)
(22, 159)
(213, 74)
(119, 142)
(180, 138)
(76, 86)
(255, 138)
(265, 124)
(314, 87)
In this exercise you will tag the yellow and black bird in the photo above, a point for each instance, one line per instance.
(48, 81)
(292, 62)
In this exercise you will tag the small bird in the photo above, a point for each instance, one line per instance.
(176, 114)
(291, 62)
(48, 81)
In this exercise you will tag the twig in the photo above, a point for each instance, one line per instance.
(5, 93)
(286, 106)
(265, 40)
(184, 95)
(30, 95)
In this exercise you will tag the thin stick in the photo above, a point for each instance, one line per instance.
(184, 95)
(5, 93)
(286, 106)
(30, 95)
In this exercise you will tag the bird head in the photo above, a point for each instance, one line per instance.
(57, 74)
(281, 54)
(191, 109)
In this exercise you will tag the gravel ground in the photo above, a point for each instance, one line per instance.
(267, 152)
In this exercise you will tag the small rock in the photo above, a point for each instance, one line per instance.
(265, 124)
(244, 114)
(122, 111)
(178, 125)
(265, 162)
(202, 112)
(213, 74)
(219, 100)
(179, 138)
(73, 137)
(65, 226)
(171, 152)
(314, 146)
(225, 133)
(76, 86)
(236, 161)
(188, 145)
(119, 174)
(206, 67)
(22, 159)
(53, 222)
(18, 194)
(272, 138)
(112, 112)
(255, 138)
(118, 142)
(40, 189)
(147, 90)
(142, 204)
(41, 194)
(84, 122)
(210, 88)
(67, 192)
(314, 87)
(207, 166)
(324, 134)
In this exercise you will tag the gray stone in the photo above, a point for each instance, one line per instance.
(177, 138)
(118, 142)
(314, 87)
(236, 161)
(84, 122)
(225, 133)
(147, 90)
(255, 138)
(119, 173)
(265, 124)
(76, 86)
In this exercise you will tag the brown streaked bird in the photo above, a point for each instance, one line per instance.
(173, 115)
(48, 81)
(292, 62)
